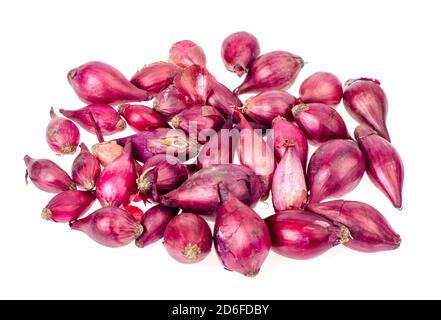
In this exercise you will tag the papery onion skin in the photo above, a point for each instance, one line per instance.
(85, 169)
(302, 235)
(366, 102)
(196, 83)
(135, 211)
(334, 170)
(383, 164)
(98, 82)
(238, 50)
(199, 194)
(197, 120)
(273, 70)
(141, 118)
(106, 117)
(107, 151)
(161, 173)
(155, 77)
(266, 106)
(47, 176)
(160, 141)
(289, 187)
(285, 133)
(188, 238)
(170, 102)
(321, 87)
(320, 123)
(186, 53)
(68, 206)
(154, 222)
(370, 231)
(223, 99)
(62, 135)
(241, 238)
(117, 182)
(111, 227)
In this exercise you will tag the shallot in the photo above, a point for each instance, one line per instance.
(238, 51)
(370, 232)
(188, 238)
(334, 170)
(85, 169)
(274, 70)
(241, 238)
(321, 87)
(383, 164)
(98, 82)
(154, 221)
(68, 206)
(62, 135)
(47, 175)
(142, 118)
(303, 235)
(170, 102)
(110, 227)
(366, 102)
(106, 117)
(186, 53)
(155, 77)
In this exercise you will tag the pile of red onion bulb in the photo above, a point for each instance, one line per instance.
(174, 175)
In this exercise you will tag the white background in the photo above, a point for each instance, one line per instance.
(396, 42)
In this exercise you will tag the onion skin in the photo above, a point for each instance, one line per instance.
(321, 87)
(117, 182)
(135, 211)
(199, 194)
(47, 176)
(188, 238)
(383, 164)
(141, 118)
(223, 99)
(241, 238)
(62, 135)
(302, 235)
(154, 222)
(111, 227)
(98, 82)
(85, 169)
(155, 77)
(289, 187)
(238, 50)
(219, 149)
(334, 170)
(186, 53)
(366, 102)
(370, 232)
(199, 121)
(254, 152)
(170, 102)
(285, 133)
(320, 123)
(273, 70)
(68, 206)
(108, 120)
(161, 174)
(107, 151)
(196, 83)
(160, 141)
(266, 106)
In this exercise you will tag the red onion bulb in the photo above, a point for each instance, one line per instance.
(86, 169)
(238, 51)
(68, 206)
(321, 87)
(186, 53)
(62, 135)
(188, 238)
